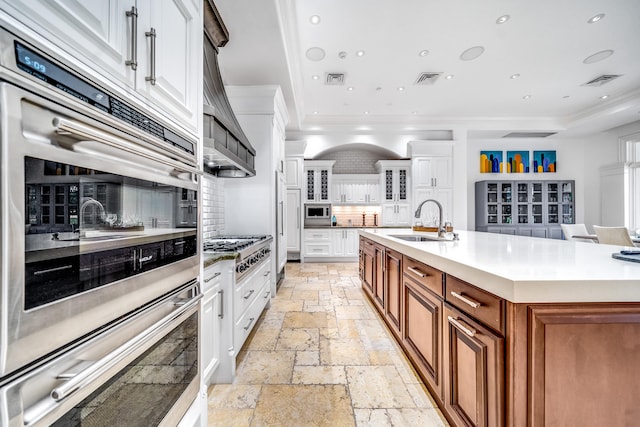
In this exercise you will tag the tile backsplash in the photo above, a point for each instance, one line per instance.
(352, 215)
(212, 207)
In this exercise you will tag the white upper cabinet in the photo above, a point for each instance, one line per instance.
(433, 171)
(293, 171)
(354, 189)
(150, 50)
(317, 178)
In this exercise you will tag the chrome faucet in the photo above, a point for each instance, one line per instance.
(441, 229)
(91, 202)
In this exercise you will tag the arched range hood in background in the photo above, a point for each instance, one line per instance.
(227, 151)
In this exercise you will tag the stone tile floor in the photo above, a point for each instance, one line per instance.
(321, 356)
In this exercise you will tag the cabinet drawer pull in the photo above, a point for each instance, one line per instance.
(267, 273)
(266, 294)
(464, 328)
(417, 272)
(248, 294)
(212, 277)
(468, 301)
(249, 324)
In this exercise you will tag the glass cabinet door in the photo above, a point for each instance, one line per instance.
(567, 203)
(523, 203)
(536, 202)
(492, 203)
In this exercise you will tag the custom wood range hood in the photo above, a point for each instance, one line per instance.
(227, 151)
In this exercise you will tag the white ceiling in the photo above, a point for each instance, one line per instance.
(544, 41)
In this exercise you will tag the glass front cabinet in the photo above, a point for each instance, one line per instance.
(527, 208)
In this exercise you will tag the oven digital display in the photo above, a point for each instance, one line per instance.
(36, 65)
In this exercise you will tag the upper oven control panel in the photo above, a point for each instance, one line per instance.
(37, 65)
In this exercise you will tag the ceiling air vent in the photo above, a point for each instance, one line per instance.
(334, 79)
(600, 80)
(529, 134)
(427, 78)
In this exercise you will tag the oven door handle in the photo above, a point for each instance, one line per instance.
(75, 381)
(82, 133)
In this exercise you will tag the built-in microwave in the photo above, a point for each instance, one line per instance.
(317, 214)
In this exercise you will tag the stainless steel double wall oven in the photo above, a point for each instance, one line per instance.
(99, 251)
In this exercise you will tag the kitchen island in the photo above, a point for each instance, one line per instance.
(511, 330)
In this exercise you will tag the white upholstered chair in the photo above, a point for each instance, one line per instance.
(571, 230)
(613, 236)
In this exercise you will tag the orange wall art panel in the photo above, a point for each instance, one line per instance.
(517, 162)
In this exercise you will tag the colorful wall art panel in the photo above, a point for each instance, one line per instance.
(517, 161)
(544, 161)
(491, 161)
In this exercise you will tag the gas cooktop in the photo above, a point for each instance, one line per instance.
(232, 243)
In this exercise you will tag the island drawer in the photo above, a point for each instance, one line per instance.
(421, 273)
(483, 306)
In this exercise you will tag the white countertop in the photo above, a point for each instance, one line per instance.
(525, 269)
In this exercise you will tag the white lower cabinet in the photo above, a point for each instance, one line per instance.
(250, 297)
(344, 242)
(396, 215)
(216, 320)
(330, 243)
(317, 242)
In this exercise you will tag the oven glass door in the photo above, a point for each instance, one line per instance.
(140, 371)
(87, 228)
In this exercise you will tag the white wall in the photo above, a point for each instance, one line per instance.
(579, 159)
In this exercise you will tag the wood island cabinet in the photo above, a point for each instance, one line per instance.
(422, 329)
(491, 362)
(392, 282)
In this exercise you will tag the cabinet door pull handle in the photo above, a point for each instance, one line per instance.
(248, 294)
(152, 78)
(298, 219)
(266, 294)
(463, 327)
(221, 293)
(251, 319)
(466, 300)
(417, 272)
(133, 62)
(208, 279)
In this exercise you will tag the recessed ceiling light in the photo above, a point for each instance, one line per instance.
(350, 88)
(315, 19)
(514, 76)
(598, 56)
(449, 76)
(315, 112)
(414, 112)
(526, 97)
(502, 19)
(315, 77)
(604, 96)
(472, 53)
(366, 112)
(401, 88)
(360, 53)
(423, 53)
(595, 18)
(342, 54)
(315, 54)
